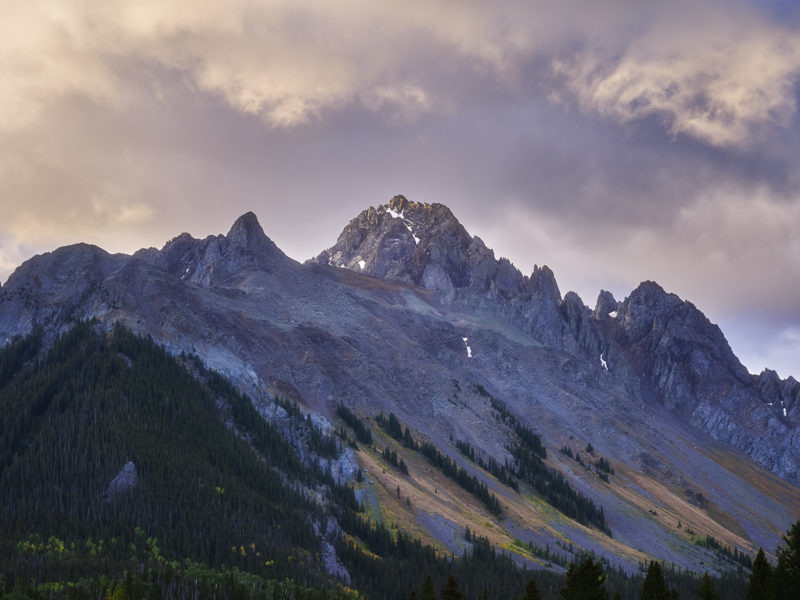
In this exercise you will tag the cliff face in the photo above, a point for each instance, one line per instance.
(654, 342)
(688, 362)
(408, 313)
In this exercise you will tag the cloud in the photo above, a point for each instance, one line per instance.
(719, 76)
(716, 72)
(286, 62)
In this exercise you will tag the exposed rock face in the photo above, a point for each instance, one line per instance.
(214, 260)
(384, 331)
(48, 288)
(654, 343)
(421, 244)
(688, 362)
(426, 246)
(605, 307)
(126, 479)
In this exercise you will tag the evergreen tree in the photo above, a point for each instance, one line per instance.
(654, 587)
(760, 587)
(585, 581)
(787, 573)
(450, 590)
(426, 593)
(706, 590)
(531, 591)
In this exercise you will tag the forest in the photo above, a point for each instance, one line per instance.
(225, 506)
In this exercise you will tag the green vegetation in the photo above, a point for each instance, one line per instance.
(725, 552)
(585, 581)
(528, 453)
(760, 586)
(363, 433)
(458, 474)
(394, 428)
(654, 587)
(225, 506)
(503, 473)
(391, 457)
(76, 414)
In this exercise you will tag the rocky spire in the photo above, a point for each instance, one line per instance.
(212, 260)
(606, 306)
(246, 233)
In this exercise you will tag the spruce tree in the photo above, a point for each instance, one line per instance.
(760, 587)
(531, 591)
(585, 581)
(787, 573)
(426, 593)
(706, 590)
(654, 587)
(450, 590)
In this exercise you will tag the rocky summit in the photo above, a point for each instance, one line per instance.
(655, 434)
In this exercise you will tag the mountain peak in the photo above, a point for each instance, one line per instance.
(421, 244)
(398, 203)
(211, 261)
(246, 231)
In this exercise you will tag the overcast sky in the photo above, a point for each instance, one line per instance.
(614, 141)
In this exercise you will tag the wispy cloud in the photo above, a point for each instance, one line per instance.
(720, 77)
(705, 70)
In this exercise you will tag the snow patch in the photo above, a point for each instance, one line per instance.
(783, 406)
(466, 345)
(603, 362)
(362, 264)
(613, 314)
(411, 231)
(407, 222)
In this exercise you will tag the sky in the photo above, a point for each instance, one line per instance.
(616, 141)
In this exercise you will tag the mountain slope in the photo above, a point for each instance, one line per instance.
(115, 435)
(655, 344)
(462, 348)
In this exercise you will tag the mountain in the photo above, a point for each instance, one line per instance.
(546, 427)
(653, 343)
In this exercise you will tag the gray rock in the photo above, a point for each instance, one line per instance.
(377, 322)
(126, 479)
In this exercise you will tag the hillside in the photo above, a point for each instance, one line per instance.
(493, 403)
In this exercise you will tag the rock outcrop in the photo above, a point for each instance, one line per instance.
(126, 479)
(653, 343)
(408, 313)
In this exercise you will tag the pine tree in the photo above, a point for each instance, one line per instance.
(760, 587)
(706, 590)
(585, 581)
(426, 593)
(450, 590)
(531, 591)
(787, 573)
(654, 587)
